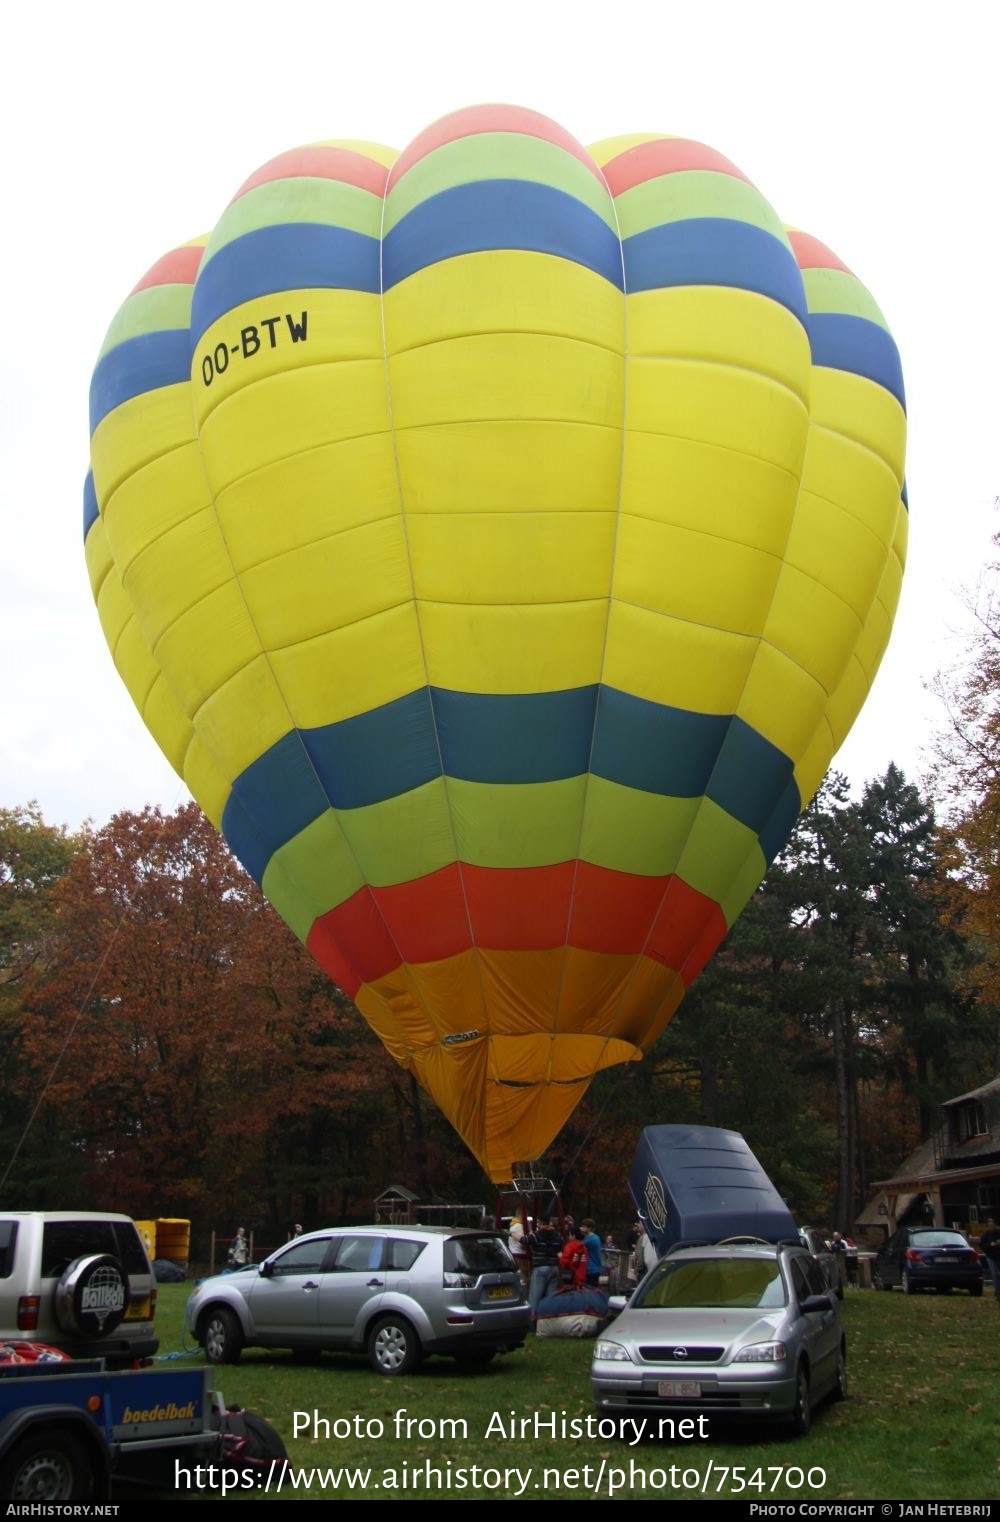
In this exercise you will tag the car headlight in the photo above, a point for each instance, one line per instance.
(610, 1352)
(762, 1352)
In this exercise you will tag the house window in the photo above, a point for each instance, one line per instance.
(969, 1120)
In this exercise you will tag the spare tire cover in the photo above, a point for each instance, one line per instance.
(92, 1295)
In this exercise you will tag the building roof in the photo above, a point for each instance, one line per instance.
(993, 1087)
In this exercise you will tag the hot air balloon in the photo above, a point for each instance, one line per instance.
(500, 537)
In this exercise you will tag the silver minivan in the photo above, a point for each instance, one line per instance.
(78, 1280)
(393, 1293)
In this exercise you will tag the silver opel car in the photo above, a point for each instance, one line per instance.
(393, 1293)
(734, 1330)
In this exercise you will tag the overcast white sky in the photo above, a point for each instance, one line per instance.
(126, 129)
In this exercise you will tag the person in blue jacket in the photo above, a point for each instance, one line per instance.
(592, 1243)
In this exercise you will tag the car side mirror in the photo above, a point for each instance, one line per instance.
(266, 1269)
(815, 1303)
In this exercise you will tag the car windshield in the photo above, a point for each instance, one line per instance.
(713, 1284)
(938, 1239)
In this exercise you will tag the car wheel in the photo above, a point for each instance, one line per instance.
(222, 1336)
(801, 1419)
(393, 1346)
(476, 1358)
(839, 1391)
(47, 1466)
(906, 1283)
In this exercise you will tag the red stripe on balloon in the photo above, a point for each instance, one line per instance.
(516, 909)
(321, 162)
(811, 254)
(664, 155)
(687, 931)
(179, 267)
(519, 908)
(479, 119)
(662, 917)
(612, 911)
(352, 943)
(427, 919)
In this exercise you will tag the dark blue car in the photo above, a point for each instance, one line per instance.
(929, 1257)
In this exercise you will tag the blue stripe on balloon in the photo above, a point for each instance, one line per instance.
(500, 214)
(376, 755)
(778, 825)
(510, 739)
(532, 737)
(91, 511)
(654, 748)
(138, 365)
(270, 260)
(714, 251)
(271, 802)
(843, 342)
(682, 755)
(748, 775)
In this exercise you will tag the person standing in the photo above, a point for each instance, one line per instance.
(573, 1261)
(592, 1243)
(518, 1249)
(989, 1246)
(644, 1252)
(239, 1249)
(545, 1245)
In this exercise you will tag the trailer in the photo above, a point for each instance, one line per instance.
(73, 1430)
(701, 1183)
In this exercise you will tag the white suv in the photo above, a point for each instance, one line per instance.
(79, 1280)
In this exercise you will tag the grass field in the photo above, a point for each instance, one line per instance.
(920, 1423)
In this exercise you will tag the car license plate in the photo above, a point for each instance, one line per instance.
(499, 1292)
(944, 1260)
(678, 1389)
(138, 1310)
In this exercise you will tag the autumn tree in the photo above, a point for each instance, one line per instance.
(179, 1004)
(33, 858)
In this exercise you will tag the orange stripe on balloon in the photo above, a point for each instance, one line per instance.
(320, 162)
(664, 155)
(179, 267)
(479, 119)
(811, 254)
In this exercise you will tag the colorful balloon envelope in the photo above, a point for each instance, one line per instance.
(500, 538)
